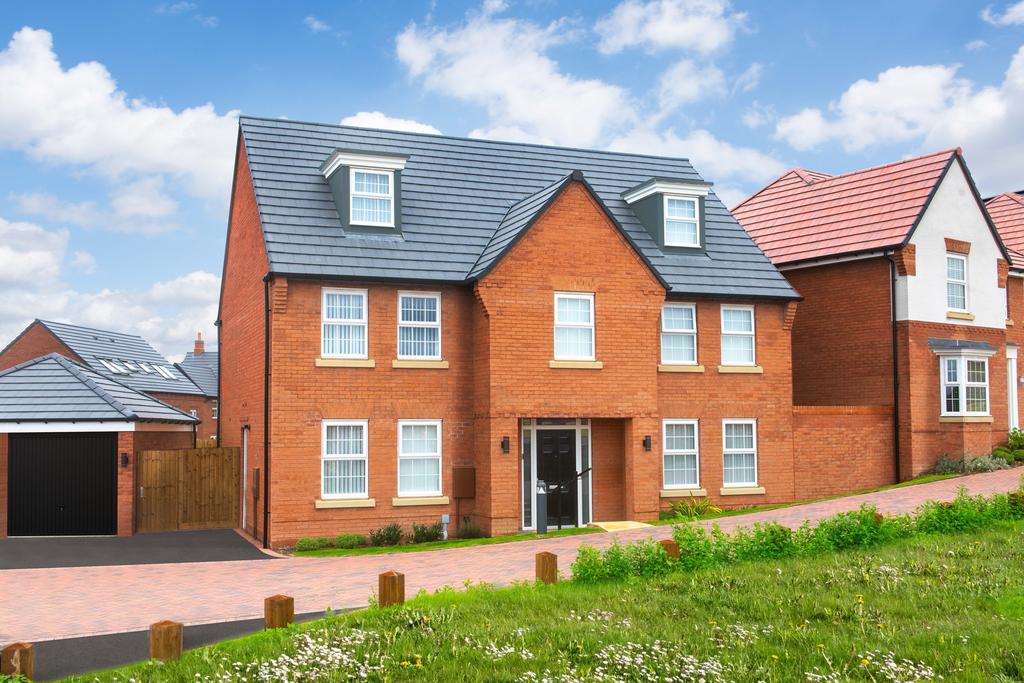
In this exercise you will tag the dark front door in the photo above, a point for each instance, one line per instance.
(556, 463)
(62, 484)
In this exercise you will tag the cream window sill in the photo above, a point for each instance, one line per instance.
(331, 503)
(576, 364)
(742, 491)
(966, 418)
(683, 493)
(957, 315)
(1009, 323)
(667, 367)
(741, 369)
(422, 500)
(422, 364)
(345, 363)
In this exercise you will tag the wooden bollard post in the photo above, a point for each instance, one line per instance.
(547, 567)
(17, 658)
(165, 640)
(278, 611)
(390, 589)
(671, 548)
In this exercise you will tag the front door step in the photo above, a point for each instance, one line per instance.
(618, 526)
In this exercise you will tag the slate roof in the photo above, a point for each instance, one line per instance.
(53, 388)
(202, 370)
(1007, 212)
(91, 344)
(807, 214)
(455, 208)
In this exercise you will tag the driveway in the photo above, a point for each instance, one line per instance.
(77, 601)
(208, 545)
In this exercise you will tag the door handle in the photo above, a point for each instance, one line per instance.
(142, 492)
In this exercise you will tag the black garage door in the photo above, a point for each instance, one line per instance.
(62, 484)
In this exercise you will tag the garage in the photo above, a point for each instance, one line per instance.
(69, 445)
(62, 484)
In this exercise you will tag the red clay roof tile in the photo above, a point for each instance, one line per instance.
(1007, 212)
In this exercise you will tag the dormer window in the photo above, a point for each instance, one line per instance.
(681, 222)
(372, 197)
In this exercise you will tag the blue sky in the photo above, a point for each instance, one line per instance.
(118, 121)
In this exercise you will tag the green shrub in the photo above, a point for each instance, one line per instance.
(763, 542)
(854, 529)
(470, 529)
(1015, 440)
(422, 533)
(965, 513)
(313, 543)
(947, 465)
(643, 558)
(1018, 455)
(985, 463)
(694, 508)
(347, 541)
(1004, 454)
(386, 535)
(699, 548)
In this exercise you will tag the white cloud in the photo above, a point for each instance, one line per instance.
(749, 79)
(1013, 15)
(686, 82)
(190, 9)
(758, 115)
(32, 261)
(933, 108)
(77, 117)
(44, 205)
(976, 45)
(316, 25)
(139, 207)
(502, 64)
(143, 198)
(378, 119)
(701, 26)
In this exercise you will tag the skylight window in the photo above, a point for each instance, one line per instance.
(114, 366)
(164, 372)
(130, 365)
(146, 367)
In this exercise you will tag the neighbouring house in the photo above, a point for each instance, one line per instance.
(904, 279)
(202, 367)
(127, 358)
(1007, 212)
(414, 326)
(69, 439)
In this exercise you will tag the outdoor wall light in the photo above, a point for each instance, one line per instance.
(647, 442)
(124, 460)
(505, 444)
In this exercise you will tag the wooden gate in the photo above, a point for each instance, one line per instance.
(196, 488)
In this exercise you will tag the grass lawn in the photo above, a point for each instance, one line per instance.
(439, 545)
(915, 610)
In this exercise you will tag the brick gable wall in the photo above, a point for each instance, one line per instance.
(35, 341)
(207, 428)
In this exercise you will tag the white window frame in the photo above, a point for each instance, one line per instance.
(193, 412)
(752, 334)
(679, 333)
(348, 456)
(436, 296)
(352, 194)
(962, 383)
(726, 451)
(666, 451)
(696, 220)
(214, 409)
(324, 321)
(418, 456)
(965, 282)
(588, 297)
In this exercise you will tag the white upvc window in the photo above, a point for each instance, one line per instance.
(738, 335)
(193, 412)
(343, 459)
(419, 457)
(964, 385)
(343, 314)
(682, 221)
(679, 334)
(372, 197)
(956, 282)
(739, 453)
(574, 326)
(214, 409)
(681, 458)
(419, 325)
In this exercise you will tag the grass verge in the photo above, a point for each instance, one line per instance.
(441, 545)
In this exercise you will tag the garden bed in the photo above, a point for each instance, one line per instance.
(440, 545)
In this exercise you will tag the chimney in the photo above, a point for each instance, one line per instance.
(200, 348)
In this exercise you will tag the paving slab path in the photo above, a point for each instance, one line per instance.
(46, 604)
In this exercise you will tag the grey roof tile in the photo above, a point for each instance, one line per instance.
(202, 370)
(456, 199)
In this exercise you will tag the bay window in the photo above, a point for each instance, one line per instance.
(964, 385)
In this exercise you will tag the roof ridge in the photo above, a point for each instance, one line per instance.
(77, 370)
(942, 153)
(804, 174)
(47, 323)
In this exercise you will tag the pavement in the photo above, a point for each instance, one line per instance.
(50, 604)
(208, 545)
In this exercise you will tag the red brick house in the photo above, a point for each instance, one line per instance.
(1007, 212)
(127, 358)
(398, 306)
(904, 284)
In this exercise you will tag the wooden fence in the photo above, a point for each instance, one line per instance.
(196, 488)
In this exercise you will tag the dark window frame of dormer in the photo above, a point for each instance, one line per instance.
(338, 169)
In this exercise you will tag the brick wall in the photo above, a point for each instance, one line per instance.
(608, 449)
(838, 449)
(33, 342)
(126, 485)
(241, 333)
(3, 485)
(207, 428)
(842, 336)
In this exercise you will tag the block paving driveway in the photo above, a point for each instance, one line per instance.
(46, 604)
